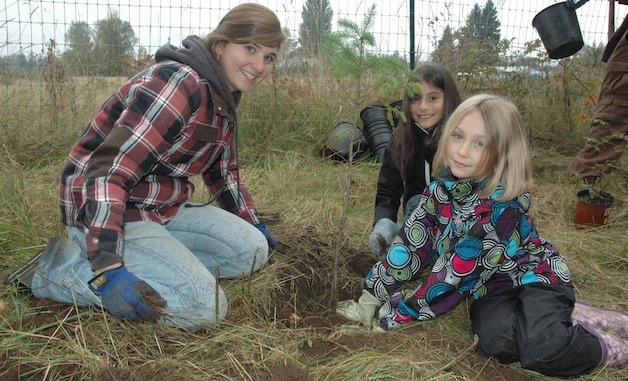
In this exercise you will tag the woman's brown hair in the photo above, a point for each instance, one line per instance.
(247, 23)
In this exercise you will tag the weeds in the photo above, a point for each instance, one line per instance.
(280, 324)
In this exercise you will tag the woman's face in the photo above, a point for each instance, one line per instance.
(245, 65)
(427, 107)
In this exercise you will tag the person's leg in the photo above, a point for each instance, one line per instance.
(494, 322)
(586, 314)
(605, 144)
(153, 255)
(220, 239)
(548, 342)
(194, 298)
(63, 272)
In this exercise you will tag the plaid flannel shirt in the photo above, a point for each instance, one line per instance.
(133, 161)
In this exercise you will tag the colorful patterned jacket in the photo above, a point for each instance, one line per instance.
(475, 246)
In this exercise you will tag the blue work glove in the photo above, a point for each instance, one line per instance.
(126, 296)
(384, 232)
(272, 243)
(412, 204)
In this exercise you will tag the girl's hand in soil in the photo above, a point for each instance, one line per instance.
(363, 311)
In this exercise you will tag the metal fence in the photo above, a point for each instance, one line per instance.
(29, 28)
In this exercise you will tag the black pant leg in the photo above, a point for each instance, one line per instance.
(548, 342)
(494, 321)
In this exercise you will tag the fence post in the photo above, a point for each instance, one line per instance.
(411, 34)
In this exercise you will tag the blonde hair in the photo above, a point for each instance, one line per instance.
(244, 24)
(506, 153)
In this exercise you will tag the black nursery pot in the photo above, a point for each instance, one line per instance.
(345, 140)
(559, 30)
(377, 129)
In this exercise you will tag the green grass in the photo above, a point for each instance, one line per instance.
(280, 326)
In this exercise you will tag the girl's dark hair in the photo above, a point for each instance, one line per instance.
(406, 152)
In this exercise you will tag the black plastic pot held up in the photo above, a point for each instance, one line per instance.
(377, 129)
(559, 29)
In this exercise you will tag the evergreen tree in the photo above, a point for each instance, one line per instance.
(445, 46)
(482, 24)
(490, 25)
(114, 40)
(80, 49)
(317, 16)
(475, 49)
(472, 28)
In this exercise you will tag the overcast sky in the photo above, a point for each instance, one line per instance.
(29, 25)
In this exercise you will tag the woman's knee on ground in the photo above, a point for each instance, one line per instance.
(251, 258)
(495, 329)
(260, 252)
(203, 313)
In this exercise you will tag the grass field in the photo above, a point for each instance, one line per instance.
(280, 325)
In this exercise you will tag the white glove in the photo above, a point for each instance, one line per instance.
(384, 232)
(363, 311)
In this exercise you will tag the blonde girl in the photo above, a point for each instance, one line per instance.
(473, 231)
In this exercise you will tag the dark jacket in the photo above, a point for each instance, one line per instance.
(391, 189)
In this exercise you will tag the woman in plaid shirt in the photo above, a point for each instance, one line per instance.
(136, 246)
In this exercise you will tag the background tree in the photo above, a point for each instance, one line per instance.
(444, 46)
(17, 63)
(317, 16)
(472, 29)
(483, 24)
(475, 49)
(489, 23)
(114, 40)
(79, 47)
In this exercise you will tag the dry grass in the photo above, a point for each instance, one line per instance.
(301, 196)
(279, 326)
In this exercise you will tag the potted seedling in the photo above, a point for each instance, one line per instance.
(594, 203)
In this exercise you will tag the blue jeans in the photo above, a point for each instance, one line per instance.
(178, 260)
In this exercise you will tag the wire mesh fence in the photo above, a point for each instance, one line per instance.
(28, 26)
(46, 45)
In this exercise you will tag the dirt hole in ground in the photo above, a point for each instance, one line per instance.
(308, 264)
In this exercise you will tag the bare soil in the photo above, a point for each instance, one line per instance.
(311, 283)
